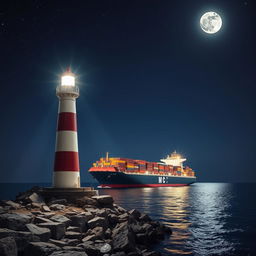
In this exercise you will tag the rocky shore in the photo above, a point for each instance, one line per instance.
(94, 226)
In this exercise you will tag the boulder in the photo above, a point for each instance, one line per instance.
(108, 233)
(41, 220)
(79, 221)
(74, 229)
(61, 219)
(44, 234)
(21, 238)
(123, 238)
(12, 204)
(40, 249)
(35, 198)
(101, 213)
(72, 242)
(73, 235)
(113, 219)
(106, 248)
(14, 221)
(105, 200)
(57, 207)
(59, 243)
(135, 213)
(45, 208)
(68, 253)
(123, 217)
(8, 247)
(145, 218)
(58, 201)
(81, 202)
(57, 229)
(97, 222)
(90, 248)
(36, 205)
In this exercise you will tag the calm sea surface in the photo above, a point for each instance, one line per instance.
(206, 218)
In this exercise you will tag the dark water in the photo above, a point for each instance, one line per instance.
(206, 218)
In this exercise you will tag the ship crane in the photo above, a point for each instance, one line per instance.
(174, 159)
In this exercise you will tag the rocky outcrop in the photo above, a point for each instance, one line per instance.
(84, 227)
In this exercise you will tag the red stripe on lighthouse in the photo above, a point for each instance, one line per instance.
(66, 161)
(67, 121)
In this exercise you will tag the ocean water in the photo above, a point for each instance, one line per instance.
(206, 218)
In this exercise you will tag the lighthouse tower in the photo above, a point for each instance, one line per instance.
(66, 165)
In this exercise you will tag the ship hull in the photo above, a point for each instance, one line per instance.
(123, 180)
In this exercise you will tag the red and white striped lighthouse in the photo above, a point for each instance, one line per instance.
(66, 165)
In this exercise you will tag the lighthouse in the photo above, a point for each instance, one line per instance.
(66, 173)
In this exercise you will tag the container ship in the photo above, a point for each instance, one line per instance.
(115, 172)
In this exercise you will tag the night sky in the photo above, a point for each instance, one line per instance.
(151, 82)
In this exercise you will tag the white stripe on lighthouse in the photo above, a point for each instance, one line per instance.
(67, 105)
(66, 179)
(66, 141)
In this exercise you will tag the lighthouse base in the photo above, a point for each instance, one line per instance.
(70, 194)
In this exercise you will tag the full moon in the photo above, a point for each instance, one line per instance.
(210, 22)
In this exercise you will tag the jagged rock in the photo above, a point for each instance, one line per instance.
(142, 238)
(21, 238)
(36, 205)
(108, 233)
(8, 247)
(44, 234)
(61, 219)
(81, 202)
(47, 214)
(12, 204)
(71, 242)
(119, 254)
(58, 201)
(120, 209)
(90, 249)
(145, 218)
(73, 235)
(14, 221)
(59, 243)
(98, 232)
(123, 239)
(101, 213)
(74, 229)
(113, 219)
(97, 221)
(2, 210)
(38, 220)
(68, 253)
(89, 238)
(73, 248)
(91, 210)
(45, 208)
(135, 213)
(57, 207)
(106, 248)
(123, 217)
(40, 249)
(57, 229)
(79, 221)
(35, 198)
(136, 228)
(104, 200)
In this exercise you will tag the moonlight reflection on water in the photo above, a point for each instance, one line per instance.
(206, 218)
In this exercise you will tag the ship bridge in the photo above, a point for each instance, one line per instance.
(174, 159)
